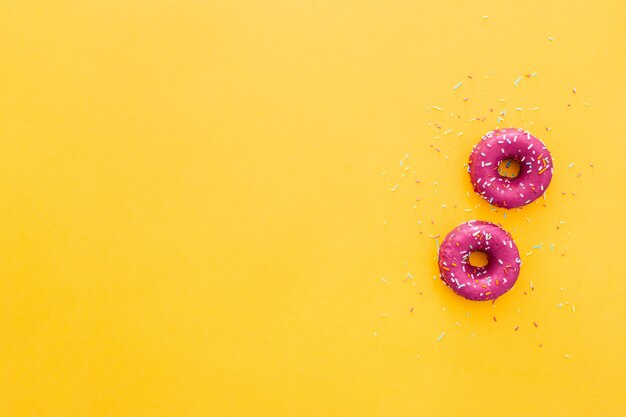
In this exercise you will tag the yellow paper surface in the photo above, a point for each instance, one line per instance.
(196, 214)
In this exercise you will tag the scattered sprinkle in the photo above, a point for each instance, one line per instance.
(517, 81)
(535, 324)
(457, 86)
(395, 188)
(570, 165)
(550, 38)
(485, 17)
(441, 336)
(437, 108)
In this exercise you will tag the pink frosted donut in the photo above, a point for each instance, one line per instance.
(535, 168)
(479, 283)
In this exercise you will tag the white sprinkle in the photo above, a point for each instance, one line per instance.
(570, 165)
(441, 336)
(457, 86)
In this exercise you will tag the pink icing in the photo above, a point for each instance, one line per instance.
(535, 168)
(479, 283)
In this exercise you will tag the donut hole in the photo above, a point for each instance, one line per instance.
(478, 259)
(509, 168)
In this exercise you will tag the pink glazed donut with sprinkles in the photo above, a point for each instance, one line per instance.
(530, 153)
(479, 283)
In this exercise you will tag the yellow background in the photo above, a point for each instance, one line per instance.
(196, 216)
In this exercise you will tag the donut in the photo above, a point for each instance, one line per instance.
(479, 283)
(530, 153)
